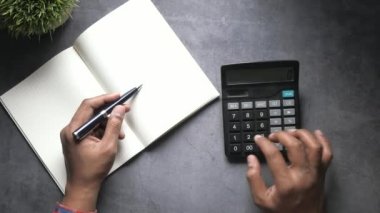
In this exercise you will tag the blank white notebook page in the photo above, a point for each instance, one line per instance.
(45, 102)
(134, 45)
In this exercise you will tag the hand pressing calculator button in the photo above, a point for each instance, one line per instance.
(258, 98)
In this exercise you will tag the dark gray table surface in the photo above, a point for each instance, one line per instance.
(337, 44)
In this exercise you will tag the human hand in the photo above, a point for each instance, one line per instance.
(89, 162)
(298, 187)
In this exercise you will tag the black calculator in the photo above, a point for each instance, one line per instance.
(258, 98)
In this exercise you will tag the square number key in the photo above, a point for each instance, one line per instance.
(248, 137)
(250, 148)
(234, 127)
(247, 126)
(235, 149)
(261, 125)
(261, 114)
(247, 115)
(234, 116)
(235, 137)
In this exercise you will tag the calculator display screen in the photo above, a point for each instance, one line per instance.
(255, 76)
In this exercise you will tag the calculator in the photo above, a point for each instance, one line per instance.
(258, 98)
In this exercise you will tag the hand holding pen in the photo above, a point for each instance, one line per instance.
(89, 162)
(100, 117)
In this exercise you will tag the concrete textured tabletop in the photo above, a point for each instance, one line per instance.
(338, 46)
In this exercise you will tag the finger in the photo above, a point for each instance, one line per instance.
(88, 106)
(121, 134)
(255, 180)
(64, 135)
(313, 146)
(111, 134)
(295, 148)
(327, 155)
(127, 107)
(275, 161)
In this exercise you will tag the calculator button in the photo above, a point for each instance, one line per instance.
(233, 105)
(248, 137)
(235, 149)
(275, 112)
(247, 105)
(235, 138)
(261, 125)
(250, 148)
(247, 125)
(275, 121)
(247, 115)
(275, 129)
(289, 127)
(261, 114)
(289, 120)
(288, 102)
(260, 104)
(288, 93)
(234, 116)
(289, 112)
(274, 103)
(234, 127)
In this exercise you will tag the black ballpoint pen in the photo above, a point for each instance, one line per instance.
(97, 119)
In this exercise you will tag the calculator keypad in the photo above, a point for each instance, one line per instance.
(247, 118)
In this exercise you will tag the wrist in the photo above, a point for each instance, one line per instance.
(60, 208)
(81, 197)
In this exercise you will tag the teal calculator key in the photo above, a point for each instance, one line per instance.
(288, 93)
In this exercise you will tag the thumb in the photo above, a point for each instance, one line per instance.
(256, 182)
(111, 134)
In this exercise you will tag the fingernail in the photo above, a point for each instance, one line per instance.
(319, 132)
(251, 161)
(257, 137)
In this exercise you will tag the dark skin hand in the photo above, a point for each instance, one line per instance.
(298, 186)
(89, 162)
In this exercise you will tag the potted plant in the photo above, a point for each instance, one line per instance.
(34, 17)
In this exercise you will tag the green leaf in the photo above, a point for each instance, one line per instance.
(33, 17)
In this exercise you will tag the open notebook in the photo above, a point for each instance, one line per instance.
(132, 45)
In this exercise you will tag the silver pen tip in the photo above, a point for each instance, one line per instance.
(139, 87)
